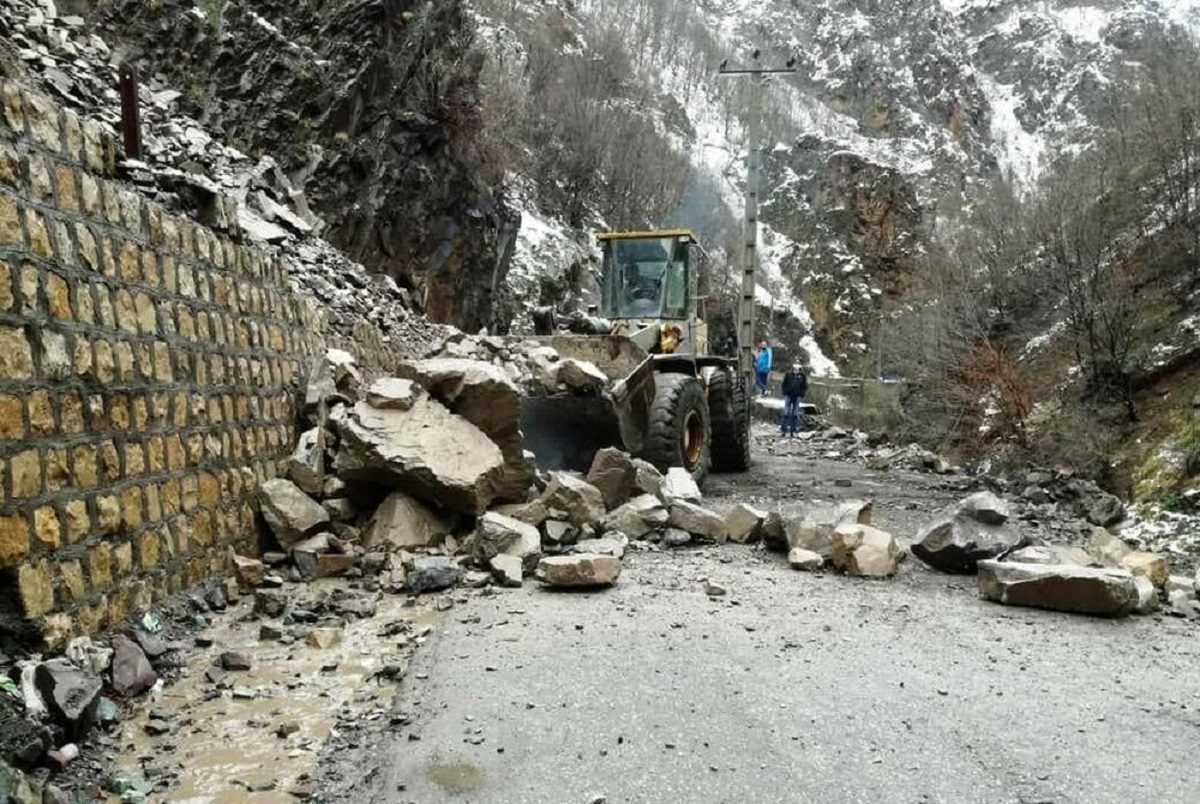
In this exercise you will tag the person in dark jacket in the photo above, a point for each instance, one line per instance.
(795, 385)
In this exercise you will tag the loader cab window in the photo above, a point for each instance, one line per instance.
(645, 278)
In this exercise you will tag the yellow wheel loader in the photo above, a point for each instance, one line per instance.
(668, 400)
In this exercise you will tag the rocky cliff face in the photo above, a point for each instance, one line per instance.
(370, 106)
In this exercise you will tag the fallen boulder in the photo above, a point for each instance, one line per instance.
(431, 574)
(678, 484)
(1148, 601)
(1050, 554)
(484, 395)
(248, 571)
(306, 467)
(1151, 566)
(613, 473)
(426, 451)
(132, 673)
(638, 517)
(774, 532)
(1106, 548)
(71, 694)
(743, 524)
(865, 551)
(507, 570)
(1105, 509)
(496, 534)
(402, 522)
(531, 513)
(1061, 587)
(392, 393)
(579, 500)
(967, 533)
(805, 534)
(697, 521)
(578, 570)
(805, 560)
(289, 512)
(647, 479)
(610, 544)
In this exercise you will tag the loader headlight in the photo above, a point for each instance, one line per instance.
(669, 338)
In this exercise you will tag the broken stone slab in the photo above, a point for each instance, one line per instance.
(610, 544)
(804, 533)
(426, 451)
(674, 537)
(1106, 548)
(1148, 600)
(774, 532)
(306, 467)
(432, 574)
(248, 571)
(697, 521)
(531, 513)
(392, 393)
(613, 473)
(968, 532)
(638, 517)
(331, 565)
(582, 502)
(1099, 591)
(289, 512)
(70, 693)
(580, 376)
(1181, 583)
(559, 533)
(864, 551)
(131, 671)
(402, 522)
(484, 395)
(1151, 566)
(578, 570)
(506, 569)
(1050, 554)
(850, 512)
(743, 523)
(985, 507)
(233, 660)
(805, 560)
(271, 602)
(647, 479)
(678, 484)
(496, 534)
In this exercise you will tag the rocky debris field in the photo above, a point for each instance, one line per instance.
(413, 494)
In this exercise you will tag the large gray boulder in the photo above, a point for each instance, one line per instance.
(402, 522)
(698, 521)
(290, 513)
(743, 523)
(678, 484)
(638, 517)
(613, 472)
(426, 451)
(579, 570)
(579, 500)
(497, 534)
(71, 694)
(484, 395)
(864, 551)
(431, 574)
(131, 671)
(306, 467)
(1062, 587)
(960, 537)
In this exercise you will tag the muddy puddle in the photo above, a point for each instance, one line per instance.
(255, 735)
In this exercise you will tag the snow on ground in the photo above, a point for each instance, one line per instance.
(1022, 153)
(1083, 23)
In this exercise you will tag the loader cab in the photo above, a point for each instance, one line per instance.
(648, 275)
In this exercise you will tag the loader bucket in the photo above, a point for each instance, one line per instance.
(564, 431)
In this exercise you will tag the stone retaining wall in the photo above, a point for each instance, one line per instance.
(149, 370)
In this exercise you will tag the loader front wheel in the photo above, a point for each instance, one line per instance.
(680, 431)
(730, 422)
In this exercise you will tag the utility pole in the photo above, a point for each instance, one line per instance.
(746, 305)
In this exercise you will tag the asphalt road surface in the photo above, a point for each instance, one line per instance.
(791, 687)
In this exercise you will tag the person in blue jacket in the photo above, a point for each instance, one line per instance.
(762, 367)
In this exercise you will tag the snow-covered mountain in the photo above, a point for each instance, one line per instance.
(902, 113)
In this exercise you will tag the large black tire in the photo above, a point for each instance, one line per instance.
(730, 422)
(680, 431)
